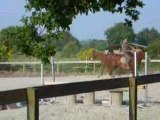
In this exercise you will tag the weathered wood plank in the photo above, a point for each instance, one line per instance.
(148, 79)
(90, 86)
(32, 104)
(82, 87)
(116, 98)
(132, 99)
(13, 96)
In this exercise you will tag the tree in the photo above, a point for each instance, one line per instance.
(66, 39)
(119, 32)
(5, 53)
(85, 54)
(154, 49)
(70, 49)
(97, 44)
(6, 36)
(26, 40)
(147, 36)
(56, 15)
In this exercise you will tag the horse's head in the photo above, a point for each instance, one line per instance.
(140, 55)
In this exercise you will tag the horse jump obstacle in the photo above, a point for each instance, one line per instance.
(116, 95)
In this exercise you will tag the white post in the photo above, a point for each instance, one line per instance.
(146, 64)
(42, 75)
(86, 66)
(135, 64)
(146, 72)
(53, 71)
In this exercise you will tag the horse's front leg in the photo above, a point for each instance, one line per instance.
(111, 72)
(112, 76)
(101, 70)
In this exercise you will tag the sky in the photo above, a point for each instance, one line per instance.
(85, 27)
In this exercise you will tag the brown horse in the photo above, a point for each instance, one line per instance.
(113, 61)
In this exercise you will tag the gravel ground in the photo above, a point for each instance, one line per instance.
(60, 111)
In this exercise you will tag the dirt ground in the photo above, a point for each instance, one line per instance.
(58, 110)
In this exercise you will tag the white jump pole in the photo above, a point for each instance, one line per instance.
(135, 64)
(146, 73)
(86, 66)
(53, 71)
(146, 63)
(42, 75)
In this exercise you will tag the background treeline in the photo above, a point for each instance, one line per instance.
(15, 42)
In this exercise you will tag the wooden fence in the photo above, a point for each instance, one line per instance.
(32, 95)
(56, 67)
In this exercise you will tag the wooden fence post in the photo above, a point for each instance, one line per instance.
(23, 69)
(42, 73)
(52, 67)
(132, 99)
(32, 104)
(58, 69)
(146, 73)
(116, 97)
(70, 100)
(89, 98)
(34, 68)
(94, 67)
(86, 66)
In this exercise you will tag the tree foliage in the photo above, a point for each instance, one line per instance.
(65, 38)
(97, 44)
(86, 54)
(25, 40)
(59, 14)
(5, 53)
(56, 15)
(154, 49)
(147, 36)
(66, 46)
(119, 32)
(70, 49)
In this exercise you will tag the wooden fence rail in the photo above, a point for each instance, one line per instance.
(19, 95)
(66, 62)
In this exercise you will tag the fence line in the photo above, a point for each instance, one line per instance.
(59, 66)
(19, 95)
(68, 62)
(20, 63)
